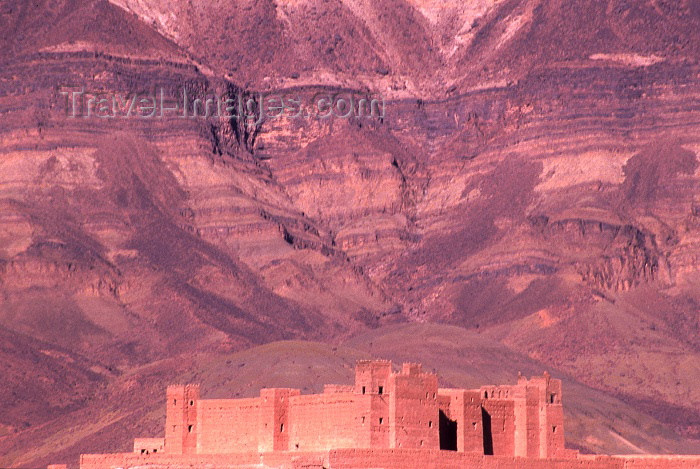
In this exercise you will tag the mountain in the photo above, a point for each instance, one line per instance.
(534, 183)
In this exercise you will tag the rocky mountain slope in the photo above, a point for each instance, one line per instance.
(534, 181)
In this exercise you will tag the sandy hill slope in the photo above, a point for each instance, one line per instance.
(534, 182)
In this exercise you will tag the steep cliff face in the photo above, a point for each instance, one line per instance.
(534, 179)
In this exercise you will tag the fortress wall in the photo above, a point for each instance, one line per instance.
(371, 375)
(323, 421)
(555, 431)
(378, 418)
(273, 423)
(419, 459)
(473, 436)
(400, 459)
(384, 458)
(660, 462)
(533, 421)
(445, 402)
(465, 409)
(132, 460)
(295, 460)
(555, 419)
(498, 419)
(337, 388)
(277, 459)
(371, 432)
(228, 425)
(149, 445)
(413, 409)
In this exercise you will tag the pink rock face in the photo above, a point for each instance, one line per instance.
(530, 192)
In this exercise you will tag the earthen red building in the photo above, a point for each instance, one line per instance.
(386, 419)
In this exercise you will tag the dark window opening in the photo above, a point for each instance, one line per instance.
(551, 398)
(363, 389)
(381, 420)
(155, 450)
(296, 446)
(143, 451)
(363, 420)
(174, 401)
(191, 402)
(488, 436)
(189, 428)
(430, 424)
(448, 433)
(281, 427)
(554, 429)
(381, 389)
(486, 394)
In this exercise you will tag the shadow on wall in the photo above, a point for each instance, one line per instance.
(488, 437)
(448, 433)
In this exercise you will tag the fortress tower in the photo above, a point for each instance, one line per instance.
(413, 409)
(544, 436)
(181, 419)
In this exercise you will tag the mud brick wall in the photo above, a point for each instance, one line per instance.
(323, 421)
(228, 425)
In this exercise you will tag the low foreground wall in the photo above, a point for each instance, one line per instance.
(378, 459)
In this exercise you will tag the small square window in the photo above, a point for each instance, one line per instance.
(381, 389)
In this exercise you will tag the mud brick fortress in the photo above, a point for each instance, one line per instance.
(387, 419)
